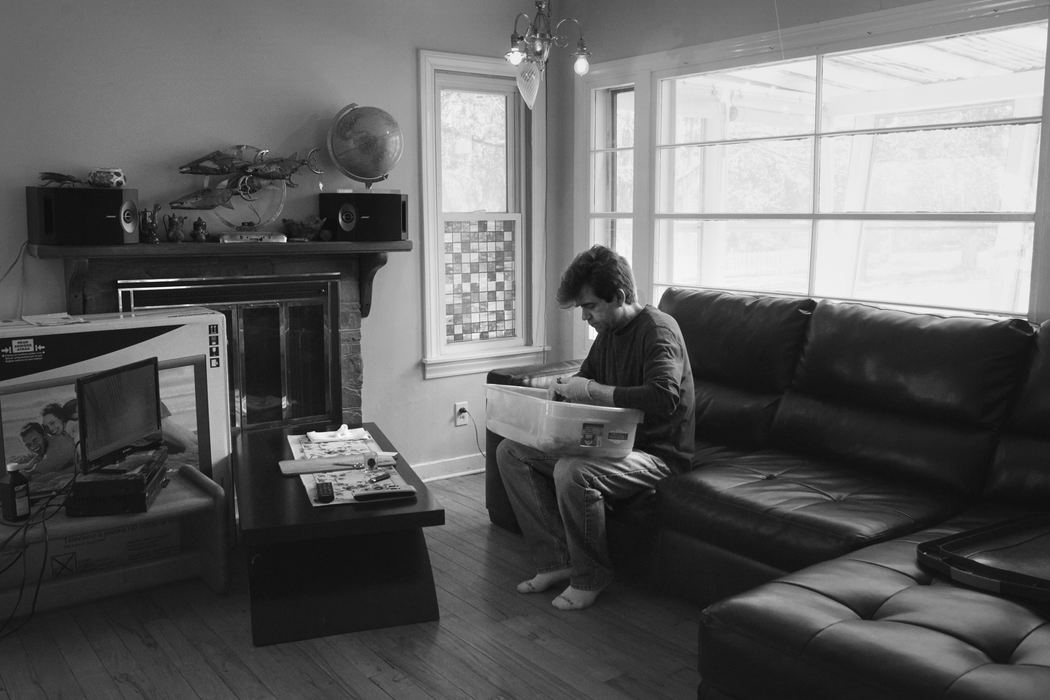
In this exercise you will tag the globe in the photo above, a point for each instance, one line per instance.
(365, 143)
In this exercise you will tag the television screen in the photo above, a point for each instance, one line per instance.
(119, 412)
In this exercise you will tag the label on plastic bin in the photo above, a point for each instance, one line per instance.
(591, 435)
(618, 436)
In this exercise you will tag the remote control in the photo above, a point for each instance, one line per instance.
(325, 492)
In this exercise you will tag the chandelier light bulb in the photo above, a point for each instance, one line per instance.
(514, 56)
(582, 66)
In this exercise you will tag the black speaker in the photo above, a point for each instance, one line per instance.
(365, 216)
(82, 215)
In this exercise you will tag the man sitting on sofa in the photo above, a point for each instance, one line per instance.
(638, 360)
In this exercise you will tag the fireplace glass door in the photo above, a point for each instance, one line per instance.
(282, 363)
(282, 336)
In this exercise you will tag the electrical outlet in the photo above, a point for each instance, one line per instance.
(461, 413)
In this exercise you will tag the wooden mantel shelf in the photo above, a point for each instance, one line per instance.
(372, 255)
(182, 250)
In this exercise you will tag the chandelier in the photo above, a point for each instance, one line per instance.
(529, 50)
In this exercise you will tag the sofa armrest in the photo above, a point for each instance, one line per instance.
(535, 375)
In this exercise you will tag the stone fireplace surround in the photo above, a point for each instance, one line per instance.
(92, 273)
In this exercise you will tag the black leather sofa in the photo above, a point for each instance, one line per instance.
(831, 439)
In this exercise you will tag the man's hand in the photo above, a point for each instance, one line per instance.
(573, 389)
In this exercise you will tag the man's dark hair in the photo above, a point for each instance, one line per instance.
(30, 427)
(605, 271)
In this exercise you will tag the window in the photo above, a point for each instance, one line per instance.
(612, 171)
(479, 241)
(900, 168)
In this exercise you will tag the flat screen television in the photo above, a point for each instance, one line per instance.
(119, 413)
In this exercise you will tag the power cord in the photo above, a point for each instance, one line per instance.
(43, 512)
(477, 437)
(19, 257)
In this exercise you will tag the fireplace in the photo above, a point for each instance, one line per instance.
(321, 290)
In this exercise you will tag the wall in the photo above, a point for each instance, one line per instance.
(150, 86)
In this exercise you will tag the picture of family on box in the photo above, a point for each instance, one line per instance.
(40, 427)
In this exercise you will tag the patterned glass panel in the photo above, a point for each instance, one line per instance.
(479, 288)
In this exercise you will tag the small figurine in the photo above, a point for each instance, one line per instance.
(173, 226)
(200, 230)
(148, 224)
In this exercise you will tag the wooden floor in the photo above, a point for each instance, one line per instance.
(183, 641)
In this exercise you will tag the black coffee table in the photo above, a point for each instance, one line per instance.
(334, 569)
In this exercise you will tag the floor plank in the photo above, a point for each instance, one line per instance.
(183, 641)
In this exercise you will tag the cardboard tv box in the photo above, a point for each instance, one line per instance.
(39, 365)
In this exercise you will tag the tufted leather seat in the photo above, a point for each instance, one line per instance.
(790, 511)
(872, 624)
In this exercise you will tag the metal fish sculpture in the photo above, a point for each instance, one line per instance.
(283, 168)
(207, 198)
(224, 161)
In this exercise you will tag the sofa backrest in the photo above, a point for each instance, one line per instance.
(1021, 468)
(743, 350)
(911, 395)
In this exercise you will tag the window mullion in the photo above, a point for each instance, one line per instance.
(814, 231)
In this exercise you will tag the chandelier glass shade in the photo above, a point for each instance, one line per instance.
(530, 49)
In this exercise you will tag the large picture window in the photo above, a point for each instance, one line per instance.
(903, 174)
(891, 158)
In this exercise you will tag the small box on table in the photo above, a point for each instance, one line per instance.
(525, 415)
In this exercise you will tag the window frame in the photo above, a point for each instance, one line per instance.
(911, 23)
(440, 70)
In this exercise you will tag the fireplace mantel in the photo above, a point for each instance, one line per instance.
(163, 259)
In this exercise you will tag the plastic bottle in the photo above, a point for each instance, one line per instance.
(16, 506)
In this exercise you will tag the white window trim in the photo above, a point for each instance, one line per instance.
(914, 22)
(438, 359)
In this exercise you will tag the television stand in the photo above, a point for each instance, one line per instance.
(182, 535)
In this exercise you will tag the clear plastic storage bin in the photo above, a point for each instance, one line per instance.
(524, 414)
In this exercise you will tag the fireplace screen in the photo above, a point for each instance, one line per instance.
(282, 335)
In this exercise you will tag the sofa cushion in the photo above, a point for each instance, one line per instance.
(906, 395)
(1021, 469)
(743, 350)
(788, 511)
(873, 624)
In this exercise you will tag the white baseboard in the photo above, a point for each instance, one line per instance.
(448, 468)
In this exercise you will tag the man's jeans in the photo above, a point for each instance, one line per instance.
(560, 505)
